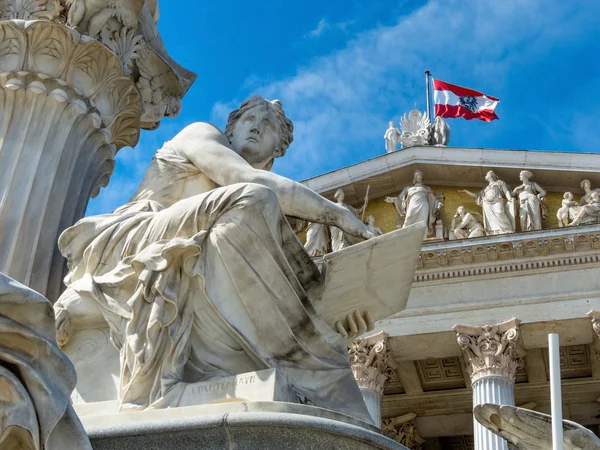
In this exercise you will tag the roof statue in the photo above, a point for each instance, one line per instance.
(417, 130)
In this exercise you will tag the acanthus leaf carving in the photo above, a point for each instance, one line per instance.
(491, 349)
(371, 362)
(30, 9)
(404, 430)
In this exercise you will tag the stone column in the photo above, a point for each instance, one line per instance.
(371, 364)
(68, 103)
(492, 354)
(404, 430)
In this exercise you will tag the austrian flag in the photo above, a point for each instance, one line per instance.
(453, 101)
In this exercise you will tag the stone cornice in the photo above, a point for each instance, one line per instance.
(371, 362)
(491, 350)
(79, 62)
(554, 249)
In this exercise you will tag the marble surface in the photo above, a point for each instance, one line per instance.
(36, 378)
(244, 426)
(530, 430)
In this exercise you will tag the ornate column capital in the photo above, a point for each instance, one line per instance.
(404, 430)
(491, 349)
(371, 362)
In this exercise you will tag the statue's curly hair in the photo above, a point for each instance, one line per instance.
(286, 128)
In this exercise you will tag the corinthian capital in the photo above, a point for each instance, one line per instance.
(371, 362)
(491, 349)
(404, 430)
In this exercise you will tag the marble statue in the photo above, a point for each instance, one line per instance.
(586, 186)
(588, 213)
(416, 129)
(340, 239)
(371, 225)
(532, 210)
(531, 430)
(317, 239)
(466, 225)
(440, 132)
(200, 275)
(36, 378)
(568, 209)
(416, 203)
(392, 137)
(498, 215)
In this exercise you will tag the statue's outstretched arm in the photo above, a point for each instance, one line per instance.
(206, 147)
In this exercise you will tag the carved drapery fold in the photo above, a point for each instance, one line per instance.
(491, 349)
(404, 430)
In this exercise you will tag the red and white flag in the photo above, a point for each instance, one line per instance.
(453, 101)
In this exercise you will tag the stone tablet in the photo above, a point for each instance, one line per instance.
(374, 276)
(264, 385)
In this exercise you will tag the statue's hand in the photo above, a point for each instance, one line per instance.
(64, 330)
(358, 323)
(389, 199)
(354, 226)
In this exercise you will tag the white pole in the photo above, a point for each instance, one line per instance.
(555, 392)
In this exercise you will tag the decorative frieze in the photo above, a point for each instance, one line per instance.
(491, 349)
(371, 362)
(504, 254)
(404, 430)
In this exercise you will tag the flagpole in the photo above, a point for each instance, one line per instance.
(427, 94)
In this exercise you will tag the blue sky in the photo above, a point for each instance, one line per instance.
(343, 69)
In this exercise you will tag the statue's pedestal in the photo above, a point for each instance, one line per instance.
(243, 426)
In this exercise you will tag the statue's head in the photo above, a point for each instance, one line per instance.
(460, 210)
(418, 177)
(491, 176)
(339, 195)
(525, 175)
(259, 131)
(391, 124)
(371, 220)
(595, 197)
(586, 185)
(568, 196)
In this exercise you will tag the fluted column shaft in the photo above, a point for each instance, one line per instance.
(493, 354)
(497, 390)
(65, 109)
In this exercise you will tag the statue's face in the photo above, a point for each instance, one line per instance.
(256, 135)
(461, 210)
(391, 124)
(587, 186)
(418, 177)
(522, 176)
(488, 177)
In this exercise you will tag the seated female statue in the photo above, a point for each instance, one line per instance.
(200, 275)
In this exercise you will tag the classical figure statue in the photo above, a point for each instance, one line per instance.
(588, 213)
(317, 239)
(586, 185)
(532, 210)
(371, 225)
(339, 238)
(440, 132)
(200, 275)
(392, 137)
(531, 430)
(415, 129)
(416, 203)
(36, 378)
(498, 216)
(466, 225)
(568, 210)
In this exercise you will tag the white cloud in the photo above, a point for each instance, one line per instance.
(343, 100)
(321, 27)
